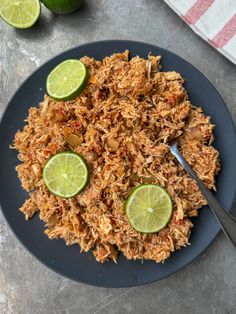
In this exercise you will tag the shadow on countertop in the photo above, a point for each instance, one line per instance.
(48, 20)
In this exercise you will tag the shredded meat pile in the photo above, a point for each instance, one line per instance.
(121, 124)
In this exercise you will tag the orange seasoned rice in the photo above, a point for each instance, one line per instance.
(122, 124)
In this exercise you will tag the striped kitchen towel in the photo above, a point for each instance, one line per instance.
(213, 20)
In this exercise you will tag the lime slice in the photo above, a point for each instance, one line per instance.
(148, 208)
(67, 80)
(65, 174)
(20, 13)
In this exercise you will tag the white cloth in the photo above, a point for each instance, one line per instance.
(213, 20)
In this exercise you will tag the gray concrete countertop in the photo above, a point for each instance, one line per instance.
(208, 285)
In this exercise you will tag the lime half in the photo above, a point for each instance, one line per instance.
(67, 80)
(65, 174)
(148, 208)
(20, 13)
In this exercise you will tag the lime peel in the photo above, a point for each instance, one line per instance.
(62, 6)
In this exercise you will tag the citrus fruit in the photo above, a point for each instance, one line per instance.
(20, 13)
(67, 80)
(148, 208)
(62, 6)
(66, 174)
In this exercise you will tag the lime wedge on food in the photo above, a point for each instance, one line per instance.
(20, 13)
(148, 208)
(67, 80)
(65, 174)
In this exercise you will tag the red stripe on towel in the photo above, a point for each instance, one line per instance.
(225, 34)
(197, 10)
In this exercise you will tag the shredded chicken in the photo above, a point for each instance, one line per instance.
(122, 124)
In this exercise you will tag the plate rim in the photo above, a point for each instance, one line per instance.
(112, 41)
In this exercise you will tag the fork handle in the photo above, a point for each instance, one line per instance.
(227, 222)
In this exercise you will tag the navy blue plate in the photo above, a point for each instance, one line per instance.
(68, 261)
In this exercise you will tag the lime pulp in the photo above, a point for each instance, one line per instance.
(67, 80)
(20, 13)
(66, 174)
(148, 208)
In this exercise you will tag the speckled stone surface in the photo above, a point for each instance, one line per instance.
(208, 285)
